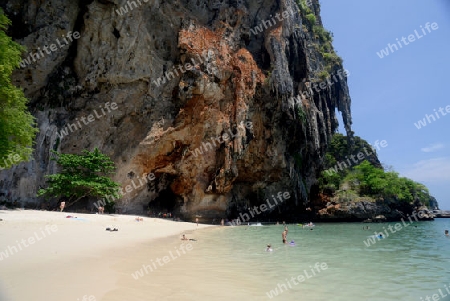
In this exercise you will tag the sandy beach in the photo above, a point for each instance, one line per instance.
(47, 256)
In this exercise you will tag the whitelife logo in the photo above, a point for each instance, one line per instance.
(73, 126)
(373, 239)
(166, 259)
(225, 137)
(145, 177)
(40, 54)
(284, 286)
(360, 157)
(11, 250)
(430, 118)
(244, 217)
(411, 38)
(168, 75)
(269, 23)
(12, 159)
(436, 297)
(318, 87)
(124, 9)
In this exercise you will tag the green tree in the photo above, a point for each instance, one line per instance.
(82, 176)
(367, 178)
(17, 125)
(370, 179)
(329, 179)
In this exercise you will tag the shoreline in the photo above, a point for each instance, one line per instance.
(74, 256)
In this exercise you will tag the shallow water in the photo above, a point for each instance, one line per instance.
(231, 263)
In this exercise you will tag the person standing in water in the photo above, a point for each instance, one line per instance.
(284, 235)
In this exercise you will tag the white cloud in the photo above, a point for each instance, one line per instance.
(432, 148)
(435, 170)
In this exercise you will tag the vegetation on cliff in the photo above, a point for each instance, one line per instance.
(323, 39)
(17, 129)
(82, 176)
(366, 179)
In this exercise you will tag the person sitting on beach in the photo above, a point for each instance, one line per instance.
(446, 233)
(283, 235)
(269, 248)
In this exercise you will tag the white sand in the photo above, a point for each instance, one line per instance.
(68, 259)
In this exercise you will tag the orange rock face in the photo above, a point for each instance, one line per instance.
(210, 106)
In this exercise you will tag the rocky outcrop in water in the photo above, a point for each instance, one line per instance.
(369, 211)
(206, 102)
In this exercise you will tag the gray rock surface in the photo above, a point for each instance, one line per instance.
(241, 77)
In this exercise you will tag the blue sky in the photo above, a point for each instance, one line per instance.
(392, 93)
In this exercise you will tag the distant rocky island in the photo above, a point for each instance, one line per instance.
(364, 190)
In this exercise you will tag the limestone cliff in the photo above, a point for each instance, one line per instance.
(182, 73)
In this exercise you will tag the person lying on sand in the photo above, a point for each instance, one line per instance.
(111, 229)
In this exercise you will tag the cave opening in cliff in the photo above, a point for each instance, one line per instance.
(16, 17)
(165, 202)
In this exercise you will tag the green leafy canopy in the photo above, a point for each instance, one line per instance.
(17, 125)
(367, 178)
(82, 176)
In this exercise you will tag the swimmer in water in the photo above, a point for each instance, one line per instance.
(283, 235)
(269, 248)
(446, 233)
(292, 243)
(185, 238)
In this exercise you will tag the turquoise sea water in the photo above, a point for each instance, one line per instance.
(232, 264)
